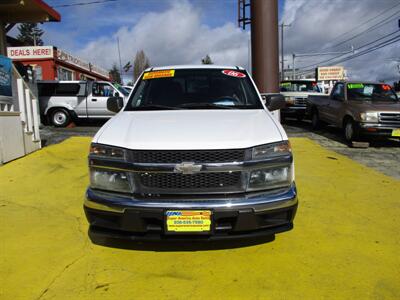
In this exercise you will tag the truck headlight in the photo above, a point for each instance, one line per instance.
(110, 180)
(271, 150)
(369, 117)
(270, 178)
(107, 151)
(290, 100)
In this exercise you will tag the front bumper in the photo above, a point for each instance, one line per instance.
(378, 130)
(294, 111)
(249, 215)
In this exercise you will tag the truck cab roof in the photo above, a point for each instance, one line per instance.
(193, 67)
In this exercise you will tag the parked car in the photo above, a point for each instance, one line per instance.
(296, 93)
(61, 102)
(360, 108)
(194, 153)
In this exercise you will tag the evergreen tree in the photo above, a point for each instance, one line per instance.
(207, 60)
(140, 63)
(30, 34)
(115, 74)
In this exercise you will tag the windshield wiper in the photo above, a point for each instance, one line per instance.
(155, 107)
(200, 105)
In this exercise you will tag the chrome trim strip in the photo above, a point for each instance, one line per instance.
(380, 125)
(206, 167)
(269, 200)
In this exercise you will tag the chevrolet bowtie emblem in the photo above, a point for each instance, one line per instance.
(187, 168)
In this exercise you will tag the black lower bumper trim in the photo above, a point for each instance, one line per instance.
(97, 233)
(149, 224)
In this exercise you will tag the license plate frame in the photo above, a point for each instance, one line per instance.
(396, 132)
(189, 215)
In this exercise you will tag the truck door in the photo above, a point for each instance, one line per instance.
(97, 99)
(335, 106)
(80, 108)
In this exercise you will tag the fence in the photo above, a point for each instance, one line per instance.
(19, 130)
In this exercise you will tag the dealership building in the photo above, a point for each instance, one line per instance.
(51, 63)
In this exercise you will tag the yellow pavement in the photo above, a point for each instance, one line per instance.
(345, 244)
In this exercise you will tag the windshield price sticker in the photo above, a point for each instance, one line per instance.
(368, 90)
(355, 86)
(234, 73)
(159, 74)
(188, 220)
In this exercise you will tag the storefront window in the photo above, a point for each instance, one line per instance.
(38, 73)
(64, 74)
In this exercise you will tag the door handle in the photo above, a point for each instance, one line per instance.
(94, 100)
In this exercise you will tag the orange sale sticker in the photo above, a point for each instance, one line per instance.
(159, 74)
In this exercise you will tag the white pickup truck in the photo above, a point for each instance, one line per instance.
(61, 102)
(194, 154)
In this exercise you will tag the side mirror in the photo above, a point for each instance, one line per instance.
(115, 104)
(274, 101)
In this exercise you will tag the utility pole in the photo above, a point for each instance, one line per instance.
(120, 64)
(282, 26)
(293, 67)
(265, 45)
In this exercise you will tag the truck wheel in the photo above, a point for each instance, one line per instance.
(60, 117)
(315, 121)
(350, 131)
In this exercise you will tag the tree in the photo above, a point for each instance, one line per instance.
(30, 34)
(207, 60)
(115, 74)
(140, 63)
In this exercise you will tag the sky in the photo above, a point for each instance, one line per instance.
(184, 31)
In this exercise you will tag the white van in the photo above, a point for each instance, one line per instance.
(61, 102)
(194, 154)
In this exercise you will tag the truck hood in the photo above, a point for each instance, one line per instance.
(378, 106)
(190, 129)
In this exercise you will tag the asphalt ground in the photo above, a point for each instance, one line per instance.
(345, 243)
(382, 155)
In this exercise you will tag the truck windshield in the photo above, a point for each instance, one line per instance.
(300, 86)
(370, 92)
(194, 89)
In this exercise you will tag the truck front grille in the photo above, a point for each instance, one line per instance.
(389, 118)
(178, 182)
(300, 101)
(179, 156)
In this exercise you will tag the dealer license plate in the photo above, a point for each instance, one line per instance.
(396, 132)
(188, 221)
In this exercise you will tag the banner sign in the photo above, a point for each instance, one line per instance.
(30, 52)
(330, 73)
(70, 59)
(5, 76)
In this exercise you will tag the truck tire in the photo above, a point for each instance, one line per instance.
(60, 117)
(350, 130)
(315, 121)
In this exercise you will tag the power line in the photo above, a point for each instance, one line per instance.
(366, 51)
(363, 46)
(84, 3)
(367, 21)
(373, 27)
